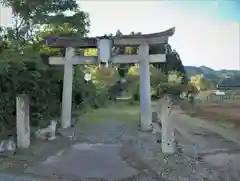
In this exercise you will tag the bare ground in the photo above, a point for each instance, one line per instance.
(221, 112)
(112, 125)
(194, 160)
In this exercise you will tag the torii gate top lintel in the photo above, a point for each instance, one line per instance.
(123, 40)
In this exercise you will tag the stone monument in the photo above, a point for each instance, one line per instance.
(23, 125)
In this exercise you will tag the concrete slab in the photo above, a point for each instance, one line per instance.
(4, 177)
(84, 161)
(225, 160)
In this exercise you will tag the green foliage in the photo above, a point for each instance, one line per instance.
(215, 76)
(30, 16)
(136, 91)
(103, 77)
(157, 76)
(191, 88)
(161, 83)
(132, 77)
(24, 65)
(44, 88)
(172, 84)
(25, 78)
(173, 61)
(201, 83)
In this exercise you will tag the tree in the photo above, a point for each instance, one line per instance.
(171, 84)
(173, 60)
(122, 50)
(191, 89)
(21, 52)
(201, 82)
(160, 82)
(30, 15)
(104, 77)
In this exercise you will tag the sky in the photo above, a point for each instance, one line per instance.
(207, 32)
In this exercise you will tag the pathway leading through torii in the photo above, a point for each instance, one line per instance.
(105, 45)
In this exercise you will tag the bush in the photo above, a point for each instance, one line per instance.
(136, 91)
(106, 82)
(43, 85)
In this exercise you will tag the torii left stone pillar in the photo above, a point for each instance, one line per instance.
(145, 89)
(68, 62)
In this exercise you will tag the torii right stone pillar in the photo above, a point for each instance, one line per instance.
(145, 89)
(168, 129)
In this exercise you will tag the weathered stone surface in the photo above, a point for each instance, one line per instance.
(7, 177)
(67, 133)
(84, 160)
(48, 133)
(168, 129)
(8, 148)
(156, 123)
(23, 126)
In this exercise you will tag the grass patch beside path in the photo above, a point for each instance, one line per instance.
(117, 111)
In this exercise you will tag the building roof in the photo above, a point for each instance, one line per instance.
(229, 82)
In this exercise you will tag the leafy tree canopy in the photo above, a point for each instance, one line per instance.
(201, 83)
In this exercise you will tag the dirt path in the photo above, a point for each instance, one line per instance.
(215, 146)
(109, 146)
(221, 112)
(226, 130)
(102, 150)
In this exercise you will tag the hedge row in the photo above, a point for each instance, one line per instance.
(43, 85)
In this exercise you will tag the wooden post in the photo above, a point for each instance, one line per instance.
(23, 127)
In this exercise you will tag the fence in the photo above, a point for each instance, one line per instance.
(208, 97)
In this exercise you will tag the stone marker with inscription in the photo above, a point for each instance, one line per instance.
(168, 129)
(23, 125)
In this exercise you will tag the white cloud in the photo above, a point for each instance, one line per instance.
(5, 16)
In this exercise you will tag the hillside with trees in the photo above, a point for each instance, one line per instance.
(215, 76)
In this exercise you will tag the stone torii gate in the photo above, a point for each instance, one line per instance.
(105, 45)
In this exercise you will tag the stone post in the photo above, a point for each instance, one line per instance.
(67, 90)
(23, 127)
(168, 129)
(145, 89)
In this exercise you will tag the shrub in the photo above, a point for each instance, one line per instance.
(43, 85)
(136, 91)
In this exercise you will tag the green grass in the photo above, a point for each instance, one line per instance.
(117, 111)
(225, 123)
